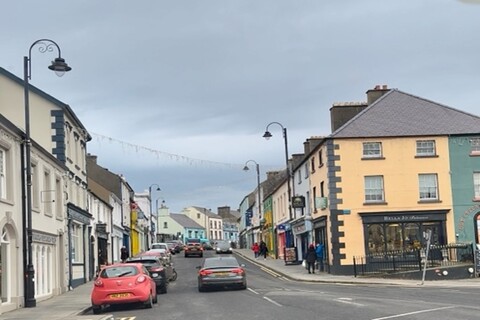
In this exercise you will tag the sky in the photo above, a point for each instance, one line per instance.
(178, 94)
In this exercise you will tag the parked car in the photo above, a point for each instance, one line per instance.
(121, 284)
(161, 247)
(171, 247)
(221, 272)
(158, 271)
(193, 248)
(223, 246)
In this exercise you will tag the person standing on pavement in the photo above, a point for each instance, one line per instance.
(255, 249)
(319, 251)
(124, 254)
(311, 257)
(263, 250)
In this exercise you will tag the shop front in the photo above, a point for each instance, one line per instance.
(321, 236)
(301, 229)
(402, 230)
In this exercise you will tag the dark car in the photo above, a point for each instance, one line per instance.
(158, 271)
(193, 247)
(175, 246)
(221, 272)
(223, 246)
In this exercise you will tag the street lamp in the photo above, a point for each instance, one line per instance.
(267, 135)
(245, 168)
(150, 194)
(60, 67)
(152, 235)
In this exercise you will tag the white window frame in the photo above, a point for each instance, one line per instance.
(3, 173)
(372, 150)
(475, 144)
(77, 239)
(428, 186)
(374, 189)
(476, 185)
(425, 148)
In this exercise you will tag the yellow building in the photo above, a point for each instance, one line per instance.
(381, 180)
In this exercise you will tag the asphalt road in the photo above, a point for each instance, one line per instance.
(270, 296)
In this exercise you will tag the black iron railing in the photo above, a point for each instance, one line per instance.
(413, 260)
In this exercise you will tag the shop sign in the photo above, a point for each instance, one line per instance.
(298, 202)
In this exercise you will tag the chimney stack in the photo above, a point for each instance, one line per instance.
(376, 93)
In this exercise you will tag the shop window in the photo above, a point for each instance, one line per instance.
(413, 239)
(394, 237)
(374, 189)
(428, 187)
(376, 238)
(407, 236)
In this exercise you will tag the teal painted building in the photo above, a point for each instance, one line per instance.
(465, 182)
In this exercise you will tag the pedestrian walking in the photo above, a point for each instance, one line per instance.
(263, 250)
(319, 251)
(255, 249)
(311, 257)
(124, 254)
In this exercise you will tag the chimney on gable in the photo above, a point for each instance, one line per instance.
(376, 93)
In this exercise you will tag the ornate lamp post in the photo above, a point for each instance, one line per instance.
(60, 67)
(267, 135)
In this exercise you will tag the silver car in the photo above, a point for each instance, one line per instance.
(221, 272)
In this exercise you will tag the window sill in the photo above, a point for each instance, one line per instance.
(373, 158)
(426, 156)
(429, 201)
(476, 200)
(382, 203)
(474, 154)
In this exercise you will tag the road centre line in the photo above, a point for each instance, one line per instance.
(272, 301)
(414, 312)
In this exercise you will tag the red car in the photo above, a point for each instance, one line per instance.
(123, 283)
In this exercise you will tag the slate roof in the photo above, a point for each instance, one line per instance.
(398, 114)
(185, 221)
(207, 212)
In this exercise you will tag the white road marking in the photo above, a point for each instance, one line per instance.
(349, 301)
(251, 290)
(272, 301)
(414, 312)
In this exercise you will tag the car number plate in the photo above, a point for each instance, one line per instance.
(119, 295)
(221, 274)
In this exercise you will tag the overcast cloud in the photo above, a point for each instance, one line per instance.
(178, 93)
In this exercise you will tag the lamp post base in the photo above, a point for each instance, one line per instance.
(30, 301)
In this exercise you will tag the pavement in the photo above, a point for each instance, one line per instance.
(70, 305)
(74, 304)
